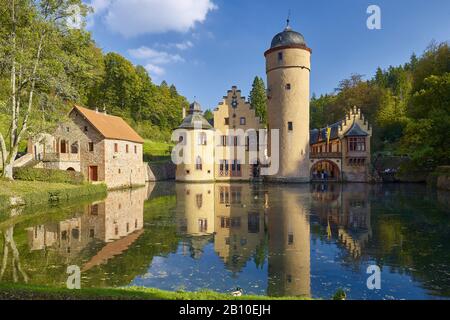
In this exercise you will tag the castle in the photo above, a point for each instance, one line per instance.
(236, 147)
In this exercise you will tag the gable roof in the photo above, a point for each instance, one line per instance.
(355, 131)
(110, 127)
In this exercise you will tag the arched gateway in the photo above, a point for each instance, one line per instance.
(325, 170)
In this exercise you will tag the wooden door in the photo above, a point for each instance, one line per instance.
(93, 173)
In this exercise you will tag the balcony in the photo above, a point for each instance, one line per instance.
(326, 155)
(61, 157)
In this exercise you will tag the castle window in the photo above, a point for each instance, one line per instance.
(290, 126)
(85, 129)
(242, 121)
(135, 149)
(202, 225)
(288, 86)
(116, 147)
(280, 56)
(198, 163)
(227, 121)
(126, 148)
(223, 140)
(290, 239)
(357, 144)
(91, 147)
(202, 139)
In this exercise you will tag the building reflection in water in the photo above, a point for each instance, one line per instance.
(345, 209)
(239, 224)
(195, 216)
(239, 217)
(267, 223)
(117, 222)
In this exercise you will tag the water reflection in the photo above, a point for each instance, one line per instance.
(346, 214)
(289, 242)
(281, 240)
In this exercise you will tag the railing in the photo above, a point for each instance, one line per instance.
(57, 157)
(324, 155)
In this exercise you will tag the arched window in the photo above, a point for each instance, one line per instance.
(198, 163)
(63, 146)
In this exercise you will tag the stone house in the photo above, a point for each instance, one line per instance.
(102, 147)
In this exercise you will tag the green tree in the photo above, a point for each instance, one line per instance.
(208, 115)
(427, 137)
(258, 98)
(33, 58)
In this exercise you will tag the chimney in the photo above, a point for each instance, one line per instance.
(184, 112)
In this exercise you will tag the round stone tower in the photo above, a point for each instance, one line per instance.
(288, 64)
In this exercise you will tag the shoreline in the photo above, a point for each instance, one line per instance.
(31, 292)
(20, 193)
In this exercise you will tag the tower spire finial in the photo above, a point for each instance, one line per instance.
(288, 20)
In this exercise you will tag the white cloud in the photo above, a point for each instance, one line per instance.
(154, 56)
(136, 17)
(180, 45)
(154, 71)
(184, 45)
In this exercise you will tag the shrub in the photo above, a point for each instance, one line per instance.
(48, 175)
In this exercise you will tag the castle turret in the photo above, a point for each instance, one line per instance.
(288, 80)
(196, 139)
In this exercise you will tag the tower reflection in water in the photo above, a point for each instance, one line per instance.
(289, 242)
(272, 223)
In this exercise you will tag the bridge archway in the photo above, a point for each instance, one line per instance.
(325, 170)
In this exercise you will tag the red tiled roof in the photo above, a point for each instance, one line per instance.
(110, 127)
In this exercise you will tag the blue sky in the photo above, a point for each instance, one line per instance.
(206, 46)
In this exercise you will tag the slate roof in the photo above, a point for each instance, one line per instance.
(355, 130)
(195, 119)
(287, 38)
(317, 135)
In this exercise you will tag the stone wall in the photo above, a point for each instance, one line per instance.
(124, 164)
(161, 171)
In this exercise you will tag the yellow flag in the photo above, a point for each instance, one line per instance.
(328, 135)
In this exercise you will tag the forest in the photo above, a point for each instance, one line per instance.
(407, 105)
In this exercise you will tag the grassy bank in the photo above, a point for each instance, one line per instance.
(35, 192)
(155, 151)
(8, 291)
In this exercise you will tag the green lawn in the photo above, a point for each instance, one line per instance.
(35, 192)
(23, 292)
(155, 151)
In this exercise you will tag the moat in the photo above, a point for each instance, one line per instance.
(268, 239)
